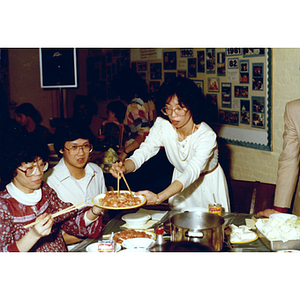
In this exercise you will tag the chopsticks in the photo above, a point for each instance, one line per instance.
(61, 212)
(126, 183)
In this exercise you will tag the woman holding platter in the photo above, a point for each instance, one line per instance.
(190, 145)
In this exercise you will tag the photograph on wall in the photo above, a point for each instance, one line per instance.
(192, 73)
(170, 60)
(201, 61)
(257, 76)
(213, 84)
(186, 52)
(229, 117)
(155, 71)
(258, 104)
(245, 111)
(210, 61)
(244, 71)
(221, 64)
(181, 73)
(253, 51)
(200, 84)
(258, 120)
(58, 68)
(212, 111)
(142, 66)
(153, 89)
(226, 94)
(169, 76)
(241, 91)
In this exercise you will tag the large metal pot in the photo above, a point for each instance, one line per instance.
(198, 227)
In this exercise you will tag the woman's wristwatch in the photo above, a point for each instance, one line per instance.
(101, 213)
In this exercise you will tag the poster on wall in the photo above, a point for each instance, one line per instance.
(58, 68)
(237, 84)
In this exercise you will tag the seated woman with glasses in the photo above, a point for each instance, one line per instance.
(74, 178)
(27, 199)
(190, 145)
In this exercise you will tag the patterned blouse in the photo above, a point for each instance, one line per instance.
(14, 215)
(139, 117)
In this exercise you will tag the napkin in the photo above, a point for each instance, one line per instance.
(241, 234)
(156, 215)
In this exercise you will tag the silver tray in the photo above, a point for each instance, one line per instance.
(279, 245)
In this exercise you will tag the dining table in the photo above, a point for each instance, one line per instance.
(116, 224)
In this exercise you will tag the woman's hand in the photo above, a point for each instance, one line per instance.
(117, 168)
(267, 212)
(152, 198)
(43, 228)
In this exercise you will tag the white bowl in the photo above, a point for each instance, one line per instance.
(138, 243)
(136, 220)
(282, 216)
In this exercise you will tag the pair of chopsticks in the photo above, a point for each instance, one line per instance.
(118, 184)
(61, 212)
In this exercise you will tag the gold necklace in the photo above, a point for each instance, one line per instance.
(184, 159)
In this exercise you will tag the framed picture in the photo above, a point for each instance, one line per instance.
(213, 84)
(58, 68)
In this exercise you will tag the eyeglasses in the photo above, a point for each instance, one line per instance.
(30, 171)
(179, 111)
(74, 149)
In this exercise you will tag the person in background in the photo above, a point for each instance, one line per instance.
(27, 199)
(288, 165)
(85, 111)
(74, 178)
(190, 145)
(112, 132)
(141, 112)
(28, 117)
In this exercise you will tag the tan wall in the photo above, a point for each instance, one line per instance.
(245, 163)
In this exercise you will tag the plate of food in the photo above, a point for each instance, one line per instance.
(125, 200)
(121, 236)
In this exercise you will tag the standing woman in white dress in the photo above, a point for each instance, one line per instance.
(190, 145)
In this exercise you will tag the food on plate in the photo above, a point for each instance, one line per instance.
(119, 237)
(124, 199)
(279, 229)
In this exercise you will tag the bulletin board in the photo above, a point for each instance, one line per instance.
(236, 82)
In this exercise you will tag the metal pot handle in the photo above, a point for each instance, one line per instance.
(193, 234)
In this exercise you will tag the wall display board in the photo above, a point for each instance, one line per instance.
(236, 82)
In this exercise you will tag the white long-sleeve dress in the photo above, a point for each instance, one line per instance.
(201, 175)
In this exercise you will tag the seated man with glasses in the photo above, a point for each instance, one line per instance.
(74, 178)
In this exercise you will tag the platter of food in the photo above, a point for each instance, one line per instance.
(121, 236)
(125, 200)
(279, 234)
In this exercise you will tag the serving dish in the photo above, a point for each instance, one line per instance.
(276, 245)
(282, 216)
(97, 201)
(151, 234)
(138, 243)
(246, 241)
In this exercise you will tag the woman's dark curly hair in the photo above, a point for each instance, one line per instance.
(18, 149)
(71, 131)
(188, 94)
